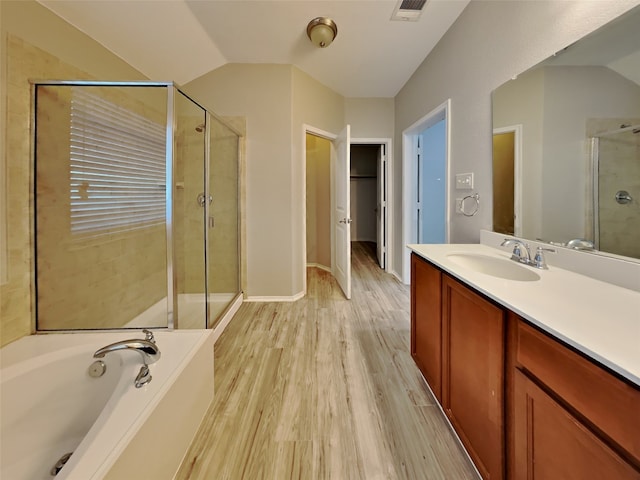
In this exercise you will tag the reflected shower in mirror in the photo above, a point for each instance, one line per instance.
(574, 122)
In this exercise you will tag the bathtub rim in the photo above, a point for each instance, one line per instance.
(63, 343)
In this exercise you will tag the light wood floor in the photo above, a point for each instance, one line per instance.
(324, 388)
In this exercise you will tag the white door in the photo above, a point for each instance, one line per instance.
(381, 207)
(342, 237)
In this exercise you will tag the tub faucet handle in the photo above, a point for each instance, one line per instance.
(149, 336)
(143, 377)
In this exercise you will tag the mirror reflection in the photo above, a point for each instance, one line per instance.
(567, 145)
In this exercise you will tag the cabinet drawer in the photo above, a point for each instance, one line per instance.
(610, 404)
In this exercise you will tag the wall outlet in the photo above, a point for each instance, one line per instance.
(464, 181)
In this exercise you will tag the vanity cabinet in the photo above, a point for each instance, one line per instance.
(524, 404)
(571, 418)
(473, 330)
(457, 341)
(426, 322)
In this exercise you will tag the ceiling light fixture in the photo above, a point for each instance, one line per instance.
(322, 31)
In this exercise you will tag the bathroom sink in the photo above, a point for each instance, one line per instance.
(496, 267)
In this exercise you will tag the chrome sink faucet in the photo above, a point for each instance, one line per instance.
(522, 254)
(146, 347)
(521, 251)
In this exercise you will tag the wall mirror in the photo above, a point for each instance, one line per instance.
(566, 160)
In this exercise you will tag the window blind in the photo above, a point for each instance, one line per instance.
(118, 167)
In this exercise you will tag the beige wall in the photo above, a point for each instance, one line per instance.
(370, 117)
(317, 106)
(277, 100)
(489, 43)
(33, 23)
(318, 200)
(262, 94)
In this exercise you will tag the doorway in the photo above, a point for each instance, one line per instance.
(425, 167)
(338, 206)
(507, 185)
(318, 202)
(369, 185)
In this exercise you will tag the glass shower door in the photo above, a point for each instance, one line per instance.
(223, 269)
(190, 205)
(100, 206)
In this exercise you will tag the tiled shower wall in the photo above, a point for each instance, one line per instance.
(26, 62)
(23, 62)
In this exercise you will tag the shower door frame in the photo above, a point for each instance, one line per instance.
(170, 165)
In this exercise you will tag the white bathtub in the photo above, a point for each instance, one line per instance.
(49, 406)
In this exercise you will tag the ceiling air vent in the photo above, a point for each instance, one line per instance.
(408, 10)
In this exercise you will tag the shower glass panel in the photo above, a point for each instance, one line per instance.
(616, 159)
(135, 189)
(223, 231)
(100, 207)
(189, 213)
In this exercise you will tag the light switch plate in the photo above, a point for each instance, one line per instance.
(464, 181)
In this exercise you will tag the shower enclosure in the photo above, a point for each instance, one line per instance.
(615, 154)
(135, 198)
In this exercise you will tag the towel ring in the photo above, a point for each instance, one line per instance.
(474, 207)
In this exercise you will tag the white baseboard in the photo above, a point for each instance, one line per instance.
(293, 298)
(395, 274)
(321, 267)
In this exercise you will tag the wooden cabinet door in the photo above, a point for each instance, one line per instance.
(473, 331)
(551, 444)
(426, 319)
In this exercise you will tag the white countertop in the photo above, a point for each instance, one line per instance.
(597, 318)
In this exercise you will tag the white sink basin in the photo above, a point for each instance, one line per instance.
(497, 267)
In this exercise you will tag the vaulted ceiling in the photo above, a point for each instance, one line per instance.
(180, 40)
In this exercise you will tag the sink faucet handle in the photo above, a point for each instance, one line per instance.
(149, 336)
(539, 261)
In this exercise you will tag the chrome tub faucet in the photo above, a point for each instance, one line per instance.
(146, 347)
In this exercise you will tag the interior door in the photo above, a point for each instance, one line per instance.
(504, 183)
(381, 207)
(342, 209)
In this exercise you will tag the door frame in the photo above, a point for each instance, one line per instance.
(517, 174)
(331, 137)
(409, 153)
(388, 218)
